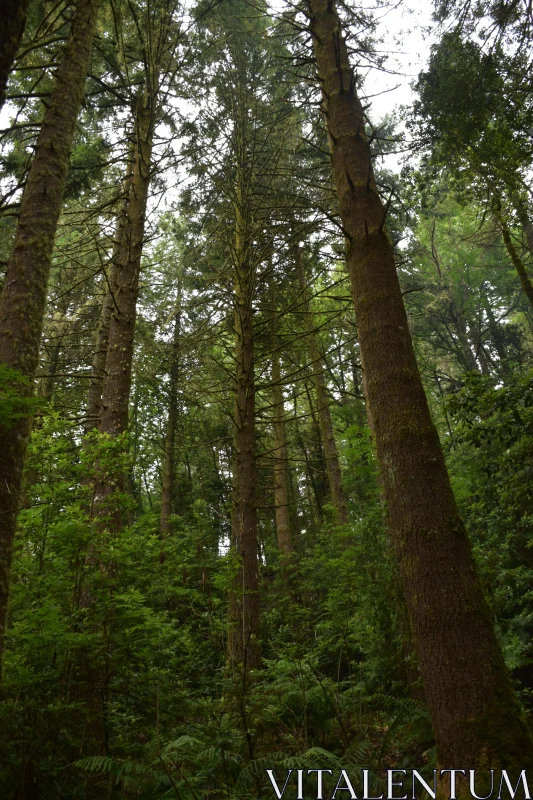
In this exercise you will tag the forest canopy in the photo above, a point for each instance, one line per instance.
(266, 398)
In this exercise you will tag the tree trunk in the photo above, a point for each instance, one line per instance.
(14, 14)
(125, 288)
(244, 646)
(281, 494)
(23, 299)
(117, 384)
(170, 433)
(96, 388)
(323, 401)
(475, 714)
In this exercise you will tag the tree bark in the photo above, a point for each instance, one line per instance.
(281, 494)
(14, 15)
(244, 645)
(117, 384)
(96, 387)
(125, 289)
(467, 686)
(23, 299)
(323, 401)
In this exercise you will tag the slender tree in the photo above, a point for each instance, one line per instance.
(244, 599)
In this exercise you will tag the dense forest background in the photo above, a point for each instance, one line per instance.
(225, 558)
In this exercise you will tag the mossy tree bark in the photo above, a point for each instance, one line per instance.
(475, 714)
(23, 299)
(14, 14)
(244, 620)
(323, 400)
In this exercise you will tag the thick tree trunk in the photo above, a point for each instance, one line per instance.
(14, 14)
(170, 433)
(125, 289)
(23, 298)
(476, 717)
(244, 645)
(323, 401)
(281, 493)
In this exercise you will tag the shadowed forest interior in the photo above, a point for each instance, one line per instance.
(266, 397)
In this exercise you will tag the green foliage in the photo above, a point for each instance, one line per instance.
(492, 461)
(16, 400)
(129, 649)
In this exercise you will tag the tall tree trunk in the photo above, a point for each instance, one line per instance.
(119, 327)
(169, 467)
(468, 697)
(281, 493)
(116, 393)
(96, 387)
(125, 289)
(14, 14)
(323, 400)
(244, 646)
(23, 299)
